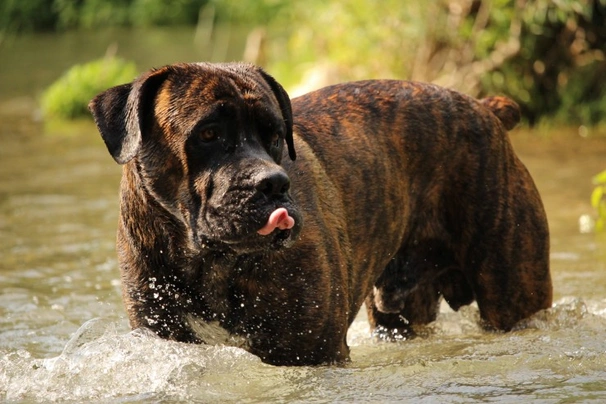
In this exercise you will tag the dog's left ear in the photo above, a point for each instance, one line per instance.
(284, 101)
(120, 113)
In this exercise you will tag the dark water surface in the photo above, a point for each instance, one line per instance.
(64, 335)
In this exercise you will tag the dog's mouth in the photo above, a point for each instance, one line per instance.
(283, 239)
(280, 230)
(278, 240)
(278, 219)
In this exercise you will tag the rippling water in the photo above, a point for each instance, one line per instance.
(559, 355)
(64, 334)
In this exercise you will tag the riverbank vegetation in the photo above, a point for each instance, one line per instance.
(68, 97)
(548, 56)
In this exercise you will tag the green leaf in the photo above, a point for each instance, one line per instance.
(596, 196)
(599, 178)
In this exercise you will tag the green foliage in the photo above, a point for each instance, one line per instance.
(68, 97)
(95, 13)
(20, 15)
(557, 74)
(598, 200)
(250, 12)
(547, 55)
(359, 38)
(30, 15)
(165, 12)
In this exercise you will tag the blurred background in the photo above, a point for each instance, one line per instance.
(547, 55)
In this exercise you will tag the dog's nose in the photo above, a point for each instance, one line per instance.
(275, 183)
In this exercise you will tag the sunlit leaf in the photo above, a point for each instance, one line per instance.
(599, 178)
(596, 196)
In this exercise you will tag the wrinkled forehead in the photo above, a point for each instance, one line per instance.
(222, 82)
(193, 91)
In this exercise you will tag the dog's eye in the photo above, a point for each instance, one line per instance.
(209, 134)
(275, 140)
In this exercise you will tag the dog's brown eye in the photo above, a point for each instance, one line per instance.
(275, 140)
(209, 134)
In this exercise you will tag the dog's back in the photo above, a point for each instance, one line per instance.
(437, 202)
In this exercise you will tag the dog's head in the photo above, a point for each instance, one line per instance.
(206, 141)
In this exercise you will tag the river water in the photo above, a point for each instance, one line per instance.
(64, 334)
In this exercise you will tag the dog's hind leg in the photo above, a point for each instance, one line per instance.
(510, 288)
(508, 265)
(420, 307)
(408, 291)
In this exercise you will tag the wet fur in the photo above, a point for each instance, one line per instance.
(402, 192)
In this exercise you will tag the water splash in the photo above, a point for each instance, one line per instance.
(98, 363)
(558, 352)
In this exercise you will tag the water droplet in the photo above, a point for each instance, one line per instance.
(150, 321)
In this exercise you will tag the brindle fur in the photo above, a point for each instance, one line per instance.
(402, 193)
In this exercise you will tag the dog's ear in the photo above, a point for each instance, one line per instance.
(120, 113)
(284, 101)
(506, 109)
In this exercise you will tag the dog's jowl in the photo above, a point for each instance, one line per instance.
(274, 222)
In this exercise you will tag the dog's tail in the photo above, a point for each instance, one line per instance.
(504, 108)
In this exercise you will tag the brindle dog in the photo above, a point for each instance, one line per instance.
(401, 193)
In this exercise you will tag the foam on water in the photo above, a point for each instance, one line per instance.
(558, 351)
(98, 363)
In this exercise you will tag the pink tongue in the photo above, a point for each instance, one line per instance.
(280, 219)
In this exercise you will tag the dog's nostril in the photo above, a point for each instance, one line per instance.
(276, 183)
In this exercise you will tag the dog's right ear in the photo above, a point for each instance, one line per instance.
(120, 112)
